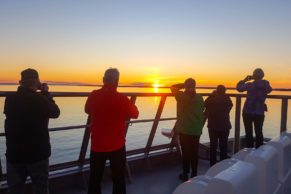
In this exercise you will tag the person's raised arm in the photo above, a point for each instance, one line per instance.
(241, 85)
(49, 104)
(176, 88)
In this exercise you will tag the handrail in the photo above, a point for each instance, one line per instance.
(149, 147)
(83, 126)
(141, 94)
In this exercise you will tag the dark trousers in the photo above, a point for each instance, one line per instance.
(17, 174)
(257, 121)
(216, 137)
(189, 146)
(117, 164)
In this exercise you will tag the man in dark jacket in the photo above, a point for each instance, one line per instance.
(27, 138)
(218, 106)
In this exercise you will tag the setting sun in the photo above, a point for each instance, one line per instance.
(156, 86)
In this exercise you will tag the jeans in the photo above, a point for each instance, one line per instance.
(215, 137)
(189, 146)
(18, 172)
(257, 120)
(117, 164)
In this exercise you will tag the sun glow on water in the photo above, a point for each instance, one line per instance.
(156, 86)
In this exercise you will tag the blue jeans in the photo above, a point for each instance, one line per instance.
(17, 174)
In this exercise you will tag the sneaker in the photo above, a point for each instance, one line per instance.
(183, 177)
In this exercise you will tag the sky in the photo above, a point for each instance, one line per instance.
(150, 41)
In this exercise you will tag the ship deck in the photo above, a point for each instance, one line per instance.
(160, 179)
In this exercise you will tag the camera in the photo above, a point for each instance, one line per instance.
(42, 86)
(250, 77)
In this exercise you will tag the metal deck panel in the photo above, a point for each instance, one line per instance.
(159, 180)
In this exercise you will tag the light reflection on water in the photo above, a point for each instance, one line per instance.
(66, 144)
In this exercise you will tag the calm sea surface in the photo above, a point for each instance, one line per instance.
(66, 144)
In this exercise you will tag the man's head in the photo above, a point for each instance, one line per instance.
(190, 84)
(220, 90)
(258, 74)
(30, 79)
(111, 77)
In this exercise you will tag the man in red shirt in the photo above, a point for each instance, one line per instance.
(108, 110)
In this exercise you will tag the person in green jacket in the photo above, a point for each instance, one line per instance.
(189, 124)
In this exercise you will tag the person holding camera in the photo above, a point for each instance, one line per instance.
(27, 138)
(189, 124)
(254, 107)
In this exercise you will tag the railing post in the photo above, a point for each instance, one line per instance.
(155, 125)
(284, 113)
(132, 99)
(1, 172)
(84, 145)
(237, 124)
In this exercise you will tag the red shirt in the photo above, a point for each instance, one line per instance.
(109, 111)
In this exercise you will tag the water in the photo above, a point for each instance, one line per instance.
(66, 144)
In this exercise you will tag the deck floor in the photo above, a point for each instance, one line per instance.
(158, 180)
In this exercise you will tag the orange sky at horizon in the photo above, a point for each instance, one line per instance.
(214, 42)
(153, 76)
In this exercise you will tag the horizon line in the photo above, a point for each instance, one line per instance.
(132, 85)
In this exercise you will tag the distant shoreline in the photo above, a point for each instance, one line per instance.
(136, 86)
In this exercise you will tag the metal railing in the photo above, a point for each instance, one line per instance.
(145, 152)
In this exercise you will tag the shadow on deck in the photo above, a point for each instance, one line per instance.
(158, 179)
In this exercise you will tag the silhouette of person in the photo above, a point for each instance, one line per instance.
(108, 110)
(254, 107)
(27, 138)
(189, 124)
(218, 106)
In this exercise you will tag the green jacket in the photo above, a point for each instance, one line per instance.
(189, 113)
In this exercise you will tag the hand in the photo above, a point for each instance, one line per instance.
(248, 78)
(179, 86)
(175, 88)
(44, 87)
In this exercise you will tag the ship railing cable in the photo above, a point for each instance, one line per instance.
(84, 126)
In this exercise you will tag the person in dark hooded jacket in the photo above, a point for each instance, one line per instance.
(27, 137)
(218, 107)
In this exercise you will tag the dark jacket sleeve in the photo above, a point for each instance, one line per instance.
(229, 104)
(50, 108)
(268, 87)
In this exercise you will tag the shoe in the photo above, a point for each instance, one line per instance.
(183, 177)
